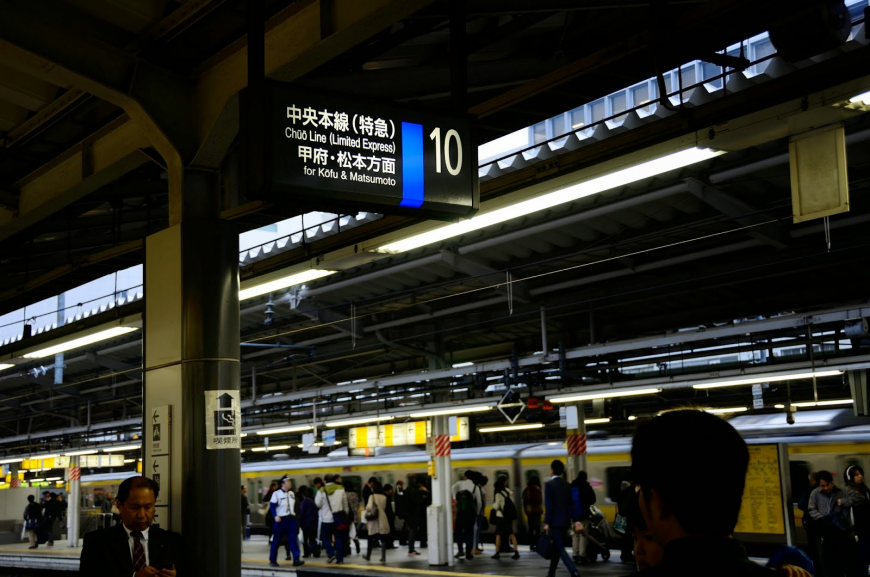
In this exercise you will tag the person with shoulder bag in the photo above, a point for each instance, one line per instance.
(829, 507)
(378, 524)
(504, 513)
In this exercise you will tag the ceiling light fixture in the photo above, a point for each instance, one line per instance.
(766, 379)
(79, 342)
(272, 448)
(596, 421)
(284, 282)
(13, 460)
(360, 421)
(814, 404)
(82, 452)
(603, 395)
(4, 366)
(725, 410)
(293, 429)
(570, 193)
(511, 428)
(450, 411)
(122, 448)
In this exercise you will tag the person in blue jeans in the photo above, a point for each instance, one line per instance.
(559, 516)
(331, 500)
(282, 508)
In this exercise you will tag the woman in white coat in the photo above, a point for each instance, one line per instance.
(377, 523)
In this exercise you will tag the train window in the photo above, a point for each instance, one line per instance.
(799, 472)
(614, 476)
(355, 481)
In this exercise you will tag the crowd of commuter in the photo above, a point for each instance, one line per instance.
(330, 516)
(670, 527)
(44, 518)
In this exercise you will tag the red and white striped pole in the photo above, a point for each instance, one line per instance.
(576, 444)
(440, 530)
(73, 502)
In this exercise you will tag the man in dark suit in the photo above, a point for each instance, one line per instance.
(559, 516)
(134, 547)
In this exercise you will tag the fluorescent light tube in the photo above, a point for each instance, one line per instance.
(79, 342)
(726, 410)
(4, 366)
(122, 448)
(596, 421)
(293, 429)
(40, 480)
(568, 194)
(42, 457)
(823, 403)
(604, 395)
(511, 428)
(450, 411)
(632, 417)
(82, 452)
(282, 283)
(13, 460)
(360, 421)
(53, 478)
(129, 460)
(766, 379)
(271, 448)
(460, 365)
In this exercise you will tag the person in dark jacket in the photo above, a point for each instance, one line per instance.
(533, 507)
(32, 520)
(417, 499)
(308, 518)
(583, 496)
(830, 508)
(246, 505)
(559, 516)
(814, 538)
(624, 503)
(860, 513)
(693, 522)
(389, 540)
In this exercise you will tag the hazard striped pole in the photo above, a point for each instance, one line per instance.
(73, 502)
(576, 445)
(441, 546)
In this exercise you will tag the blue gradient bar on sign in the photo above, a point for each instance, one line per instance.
(412, 165)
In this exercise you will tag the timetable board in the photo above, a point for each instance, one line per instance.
(762, 511)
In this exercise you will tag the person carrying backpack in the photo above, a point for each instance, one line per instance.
(468, 503)
(32, 520)
(504, 513)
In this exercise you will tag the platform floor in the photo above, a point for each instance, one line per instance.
(255, 563)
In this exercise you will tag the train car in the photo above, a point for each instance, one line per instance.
(825, 439)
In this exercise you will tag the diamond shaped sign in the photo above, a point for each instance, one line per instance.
(511, 406)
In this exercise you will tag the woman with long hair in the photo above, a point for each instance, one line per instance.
(378, 524)
(859, 514)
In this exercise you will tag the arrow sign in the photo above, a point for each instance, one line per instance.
(154, 417)
(155, 466)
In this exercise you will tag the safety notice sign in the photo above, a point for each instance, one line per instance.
(223, 420)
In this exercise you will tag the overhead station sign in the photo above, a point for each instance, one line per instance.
(331, 152)
(401, 434)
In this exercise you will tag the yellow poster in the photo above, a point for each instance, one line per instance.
(761, 510)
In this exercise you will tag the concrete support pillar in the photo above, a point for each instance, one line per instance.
(442, 497)
(576, 441)
(74, 504)
(191, 349)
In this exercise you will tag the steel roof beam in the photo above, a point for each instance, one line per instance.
(473, 268)
(740, 211)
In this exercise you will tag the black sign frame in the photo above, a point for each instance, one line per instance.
(368, 166)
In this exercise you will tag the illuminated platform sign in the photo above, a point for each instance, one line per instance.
(339, 153)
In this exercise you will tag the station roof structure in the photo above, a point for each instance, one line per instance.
(654, 279)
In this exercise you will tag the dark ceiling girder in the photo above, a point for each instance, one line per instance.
(102, 68)
(129, 371)
(484, 273)
(771, 233)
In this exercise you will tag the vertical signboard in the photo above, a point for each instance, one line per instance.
(762, 509)
(328, 151)
(223, 419)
